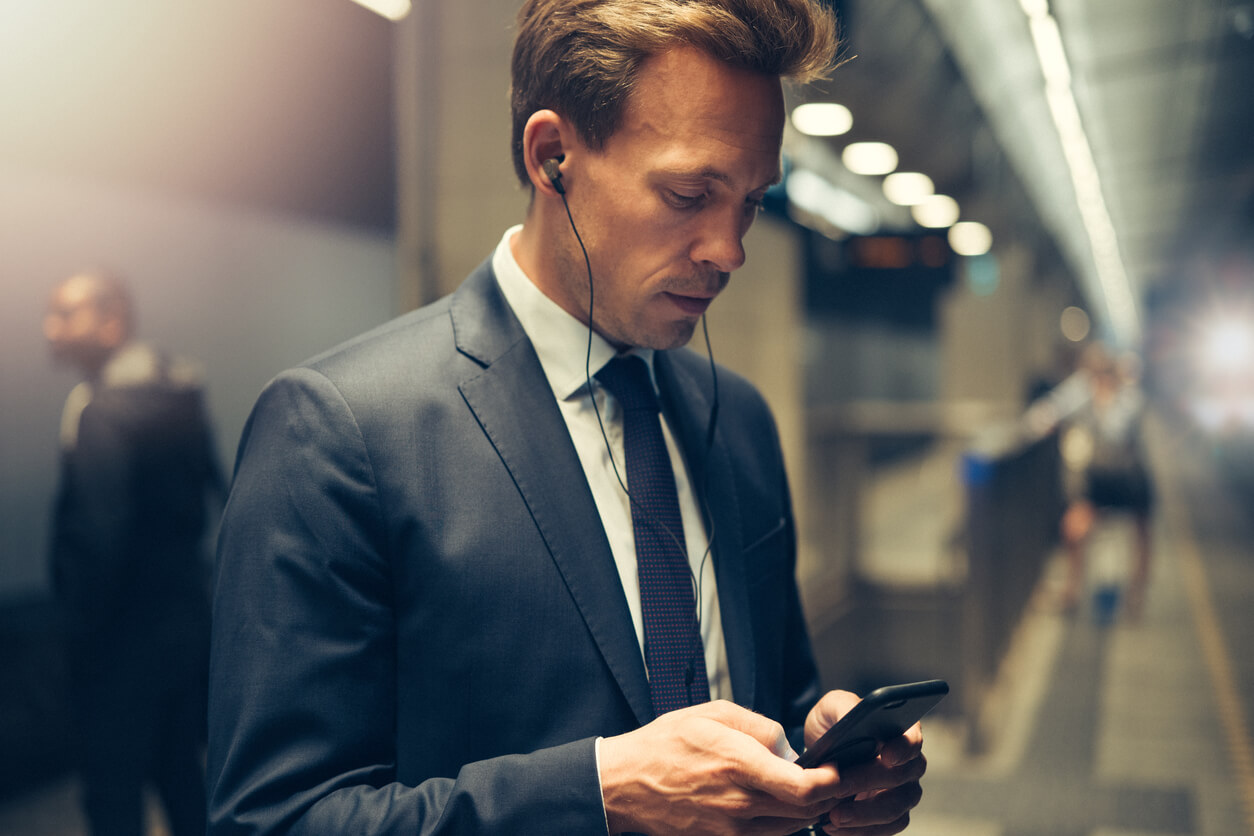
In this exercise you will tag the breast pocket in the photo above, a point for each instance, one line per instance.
(767, 552)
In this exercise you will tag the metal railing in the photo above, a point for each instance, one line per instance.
(927, 561)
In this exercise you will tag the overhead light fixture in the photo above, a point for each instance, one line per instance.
(1228, 347)
(936, 212)
(1074, 323)
(1049, 52)
(906, 188)
(1034, 8)
(1112, 277)
(812, 194)
(391, 9)
(822, 119)
(869, 158)
(970, 238)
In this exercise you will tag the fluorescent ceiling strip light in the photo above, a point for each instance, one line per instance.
(391, 9)
(813, 194)
(1103, 240)
(1053, 58)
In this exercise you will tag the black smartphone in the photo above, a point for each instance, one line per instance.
(883, 714)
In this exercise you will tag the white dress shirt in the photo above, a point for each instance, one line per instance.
(561, 342)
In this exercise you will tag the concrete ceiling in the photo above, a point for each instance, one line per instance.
(286, 105)
(1163, 90)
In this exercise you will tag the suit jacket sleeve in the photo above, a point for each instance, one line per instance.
(303, 694)
(90, 551)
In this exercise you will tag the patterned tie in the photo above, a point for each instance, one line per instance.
(673, 650)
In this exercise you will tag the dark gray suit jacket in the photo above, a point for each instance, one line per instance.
(418, 625)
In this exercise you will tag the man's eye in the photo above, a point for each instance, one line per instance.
(679, 200)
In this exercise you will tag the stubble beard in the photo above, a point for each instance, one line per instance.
(594, 307)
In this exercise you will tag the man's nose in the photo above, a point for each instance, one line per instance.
(720, 242)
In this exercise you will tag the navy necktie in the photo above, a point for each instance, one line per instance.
(673, 650)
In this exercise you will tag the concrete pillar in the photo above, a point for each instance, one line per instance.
(456, 187)
(415, 90)
(984, 321)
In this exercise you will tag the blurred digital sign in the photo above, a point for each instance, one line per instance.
(889, 278)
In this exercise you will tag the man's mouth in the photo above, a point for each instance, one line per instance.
(690, 305)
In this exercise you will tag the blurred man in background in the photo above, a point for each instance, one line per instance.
(137, 469)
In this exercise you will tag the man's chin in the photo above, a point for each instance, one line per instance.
(672, 335)
(659, 336)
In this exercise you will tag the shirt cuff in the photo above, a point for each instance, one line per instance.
(597, 752)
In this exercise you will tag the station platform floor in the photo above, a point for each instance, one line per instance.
(1095, 726)
(1114, 726)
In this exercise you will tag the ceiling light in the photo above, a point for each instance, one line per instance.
(822, 119)
(811, 193)
(1074, 323)
(1228, 347)
(391, 9)
(1034, 8)
(937, 211)
(871, 158)
(1112, 276)
(970, 238)
(906, 188)
(1049, 51)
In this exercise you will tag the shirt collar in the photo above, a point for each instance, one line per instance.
(560, 340)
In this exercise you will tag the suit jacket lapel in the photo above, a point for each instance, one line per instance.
(687, 408)
(514, 405)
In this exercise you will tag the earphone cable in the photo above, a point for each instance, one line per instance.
(695, 578)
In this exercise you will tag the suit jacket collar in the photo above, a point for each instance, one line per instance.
(539, 455)
(514, 405)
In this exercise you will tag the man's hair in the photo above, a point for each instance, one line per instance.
(581, 58)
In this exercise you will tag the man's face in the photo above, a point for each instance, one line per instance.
(74, 326)
(664, 206)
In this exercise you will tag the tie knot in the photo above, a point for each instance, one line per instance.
(628, 378)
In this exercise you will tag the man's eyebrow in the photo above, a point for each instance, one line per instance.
(710, 173)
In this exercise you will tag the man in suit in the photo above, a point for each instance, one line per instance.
(438, 607)
(129, 573)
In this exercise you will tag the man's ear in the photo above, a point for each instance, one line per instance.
(545, 138)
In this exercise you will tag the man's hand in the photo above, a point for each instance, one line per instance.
(879, 794)
(714, 768)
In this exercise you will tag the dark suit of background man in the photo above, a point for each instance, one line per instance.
(128, 565)
(428, 617)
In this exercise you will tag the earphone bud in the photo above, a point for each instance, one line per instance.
(554, 174)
